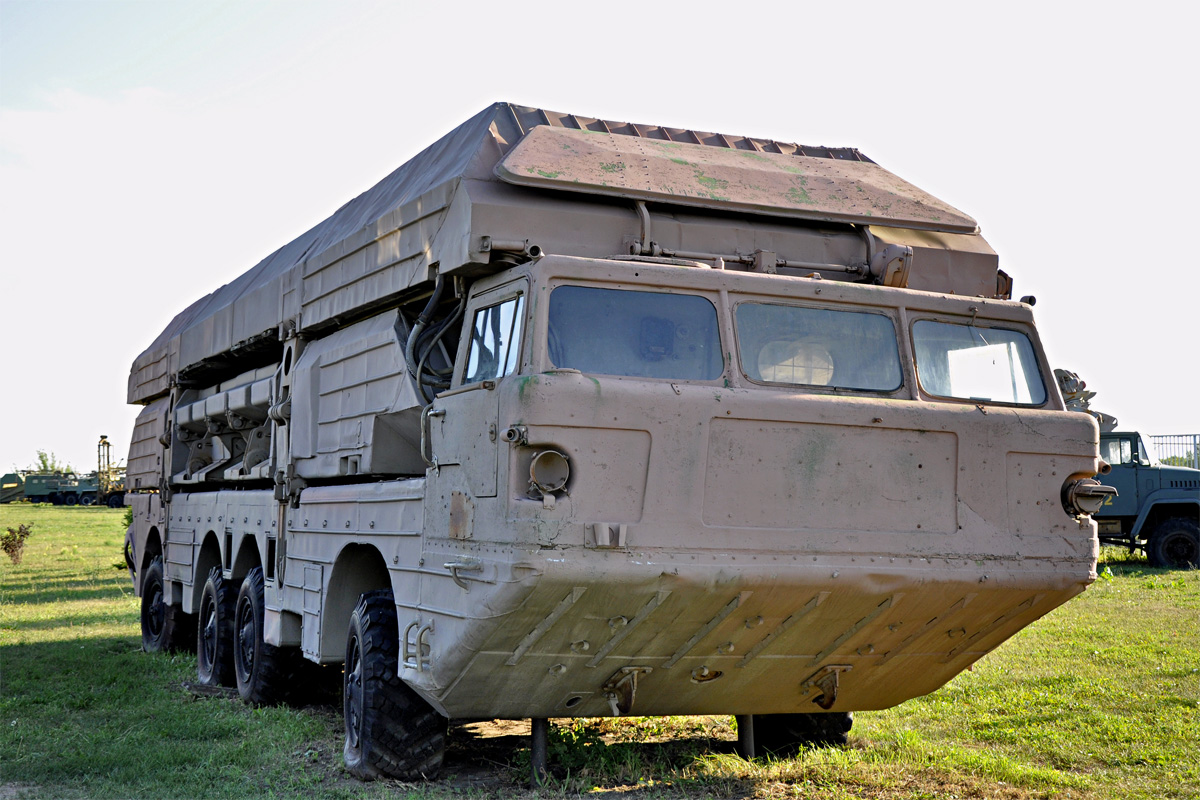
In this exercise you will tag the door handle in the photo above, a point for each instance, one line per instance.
(426, 436)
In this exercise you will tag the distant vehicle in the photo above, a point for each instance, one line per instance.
(12, 487)
(106, 485)
(43, 487)
(574, 417)
(1157, 506)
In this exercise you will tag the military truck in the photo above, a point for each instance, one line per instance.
(68, 489)
(77, 490)
(1156, 507)
(43, 487)
(574, 417)
(106, 485)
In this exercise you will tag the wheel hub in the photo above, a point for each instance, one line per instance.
(354, 697)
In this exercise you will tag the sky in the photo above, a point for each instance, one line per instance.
(153, 150)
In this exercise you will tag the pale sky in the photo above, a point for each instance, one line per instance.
(151, 151)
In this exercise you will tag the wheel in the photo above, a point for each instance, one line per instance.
(165, 628)
(266, 675)
(1175, 544)
(785, 734)
(390, 731)
(87, 499)
(214, 635)
(116, 500)
(70, 499)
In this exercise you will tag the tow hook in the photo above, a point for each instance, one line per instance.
(825, 679)
(621, 689)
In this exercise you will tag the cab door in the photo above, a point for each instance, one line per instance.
(1119, 451)
(463, 421)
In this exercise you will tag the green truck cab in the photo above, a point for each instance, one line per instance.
(1156, 508)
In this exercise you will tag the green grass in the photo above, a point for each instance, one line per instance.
(1099, 699)
(84, 713)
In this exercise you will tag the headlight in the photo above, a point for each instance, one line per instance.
(1085, 496)
(548, 471)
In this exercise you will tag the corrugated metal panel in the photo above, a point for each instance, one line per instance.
(349, 381)
(144, 467)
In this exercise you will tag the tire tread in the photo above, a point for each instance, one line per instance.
(403, 737)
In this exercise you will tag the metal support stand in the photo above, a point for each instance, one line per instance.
(745, 742)
(538, 751)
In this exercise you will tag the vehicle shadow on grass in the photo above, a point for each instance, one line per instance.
(77, 592)
(493, 757)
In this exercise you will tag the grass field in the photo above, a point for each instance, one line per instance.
(1099, 699)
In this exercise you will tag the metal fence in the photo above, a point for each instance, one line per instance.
(1181, 449)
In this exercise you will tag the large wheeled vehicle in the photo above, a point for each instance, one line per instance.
(45, 487)
(570, 417)
(1157, 508)
(77, 490)
(105, 486)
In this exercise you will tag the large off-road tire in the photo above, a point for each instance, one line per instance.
(1175, 544)
(390, 731)
(165, 628)
(214, 634)
(784, 734)
(266, 675)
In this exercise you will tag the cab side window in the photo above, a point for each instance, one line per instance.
(1116, 451)
(495, 341)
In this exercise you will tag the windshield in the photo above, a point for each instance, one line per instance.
(971, 363)
(634, 333)
(817, 347)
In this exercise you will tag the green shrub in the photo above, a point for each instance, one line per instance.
(13, 542)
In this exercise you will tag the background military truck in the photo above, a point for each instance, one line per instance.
(75, 490)
(106, 485)
(572, 417)
(43, 487)
(1157, 506)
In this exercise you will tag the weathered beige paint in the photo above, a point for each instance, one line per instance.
(909, 538)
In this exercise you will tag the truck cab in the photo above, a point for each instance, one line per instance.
(1156, 507)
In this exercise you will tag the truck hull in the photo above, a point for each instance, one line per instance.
(609, 419)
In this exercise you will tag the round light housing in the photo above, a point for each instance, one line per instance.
(1085, 497)
(549, 470)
